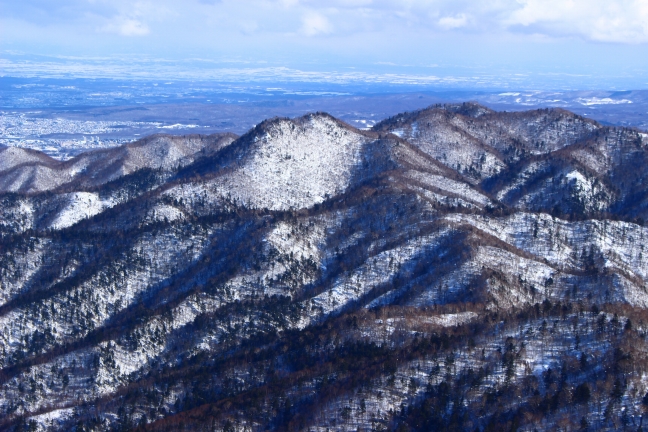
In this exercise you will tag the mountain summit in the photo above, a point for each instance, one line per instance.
(454, 268)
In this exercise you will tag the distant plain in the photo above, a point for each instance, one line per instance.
(64, 117)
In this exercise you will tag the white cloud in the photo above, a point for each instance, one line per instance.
(125, 26)
(249, 27)
(624, 21)
(134, 18)
(454, 22)
(314, 23)
(350, 3)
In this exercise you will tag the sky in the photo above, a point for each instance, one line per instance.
(589, 43)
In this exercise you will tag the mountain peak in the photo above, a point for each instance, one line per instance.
(289, 163)
(468, 109)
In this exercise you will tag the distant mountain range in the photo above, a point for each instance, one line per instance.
(453, 268)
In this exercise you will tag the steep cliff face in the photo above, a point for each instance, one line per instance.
(452, 268)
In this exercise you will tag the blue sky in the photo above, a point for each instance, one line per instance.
(579, 42)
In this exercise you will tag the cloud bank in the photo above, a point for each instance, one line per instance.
(574, 36)
(126, 26)
(620, 21)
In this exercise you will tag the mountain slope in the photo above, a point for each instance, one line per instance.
(480, 142)
(30, 171)
(92, 182)
(309, 275)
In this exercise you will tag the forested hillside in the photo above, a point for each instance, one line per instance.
(453, 268)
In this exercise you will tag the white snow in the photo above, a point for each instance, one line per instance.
(81, 205)
(584, 186)
(602, 101)
(179, 126)
(453, 319)
(454, 187)
(51, 418)
(295, 166)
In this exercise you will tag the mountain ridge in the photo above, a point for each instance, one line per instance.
(310, 275)
(118, 161)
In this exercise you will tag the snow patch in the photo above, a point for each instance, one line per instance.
(602, 101)
(81, 205)
(452, 319)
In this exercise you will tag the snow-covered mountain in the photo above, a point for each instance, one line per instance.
(454, 268)
(29, 171)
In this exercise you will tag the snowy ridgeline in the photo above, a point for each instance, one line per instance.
(28, 171)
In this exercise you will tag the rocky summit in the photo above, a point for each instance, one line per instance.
(453, 268)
